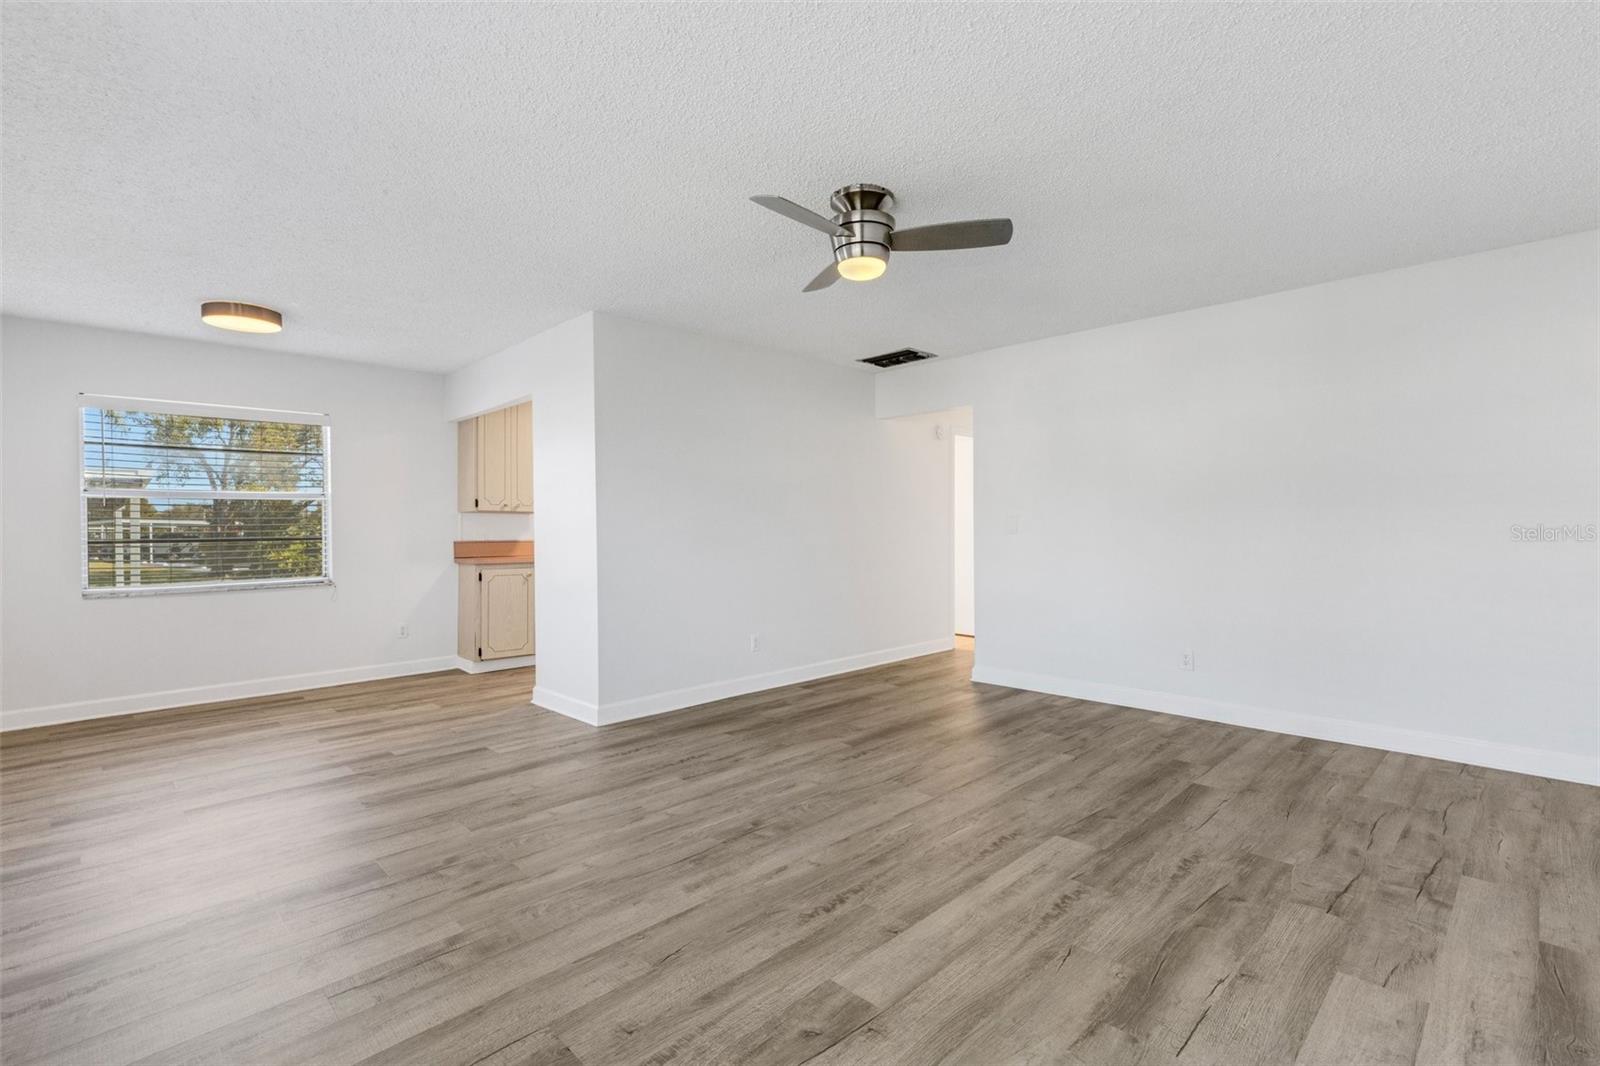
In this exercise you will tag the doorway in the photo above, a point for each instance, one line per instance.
(965, 581)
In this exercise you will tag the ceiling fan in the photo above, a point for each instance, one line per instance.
(863, 233)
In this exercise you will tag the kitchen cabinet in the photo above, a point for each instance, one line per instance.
(494, 461)
(495, 616)
(520, 487)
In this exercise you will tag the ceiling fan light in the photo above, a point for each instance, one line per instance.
(241, 318)
(862, 268)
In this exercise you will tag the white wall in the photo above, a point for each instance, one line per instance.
(566, 545)
(393, 490)
(1315, 492)
(747, 492)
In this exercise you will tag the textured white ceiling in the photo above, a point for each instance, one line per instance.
(422, 185)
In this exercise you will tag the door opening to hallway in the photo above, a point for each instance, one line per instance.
(965, 583)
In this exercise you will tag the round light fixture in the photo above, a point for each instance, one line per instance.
(241, 318)
(862, 267)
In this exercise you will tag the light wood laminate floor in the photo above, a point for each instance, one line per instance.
(891, 866)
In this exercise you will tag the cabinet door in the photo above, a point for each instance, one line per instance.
(494, 447)
(520, 462)
(505, 603)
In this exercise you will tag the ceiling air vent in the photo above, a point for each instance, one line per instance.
(904, 355)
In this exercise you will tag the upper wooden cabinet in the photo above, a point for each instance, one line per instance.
(521, 487)
(494, 461)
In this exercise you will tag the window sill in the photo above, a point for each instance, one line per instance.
(123, 591)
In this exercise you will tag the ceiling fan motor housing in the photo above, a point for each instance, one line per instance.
(859, 209)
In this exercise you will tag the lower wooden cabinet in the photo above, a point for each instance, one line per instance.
(496, 612)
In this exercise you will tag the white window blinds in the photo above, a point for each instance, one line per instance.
(191, 497)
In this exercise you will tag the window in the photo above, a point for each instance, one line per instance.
(183, 497)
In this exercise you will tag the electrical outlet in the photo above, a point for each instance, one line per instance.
(755, 641)
(405, 631)
(1187, 662)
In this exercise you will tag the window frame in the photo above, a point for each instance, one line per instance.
(145, 405)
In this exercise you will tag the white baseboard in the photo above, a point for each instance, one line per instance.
(677, 699)
(582, 710)
(468, 666)
(1540, 762)
(57, 713)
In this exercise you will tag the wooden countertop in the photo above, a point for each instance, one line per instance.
(488, 552)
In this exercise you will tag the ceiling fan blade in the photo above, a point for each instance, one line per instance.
(973, 233)
(829, 275)
(790, 209)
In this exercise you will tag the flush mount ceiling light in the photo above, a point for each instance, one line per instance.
(241, 318)
(864, 235)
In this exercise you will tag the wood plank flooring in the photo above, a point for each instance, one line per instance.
(890, 866)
